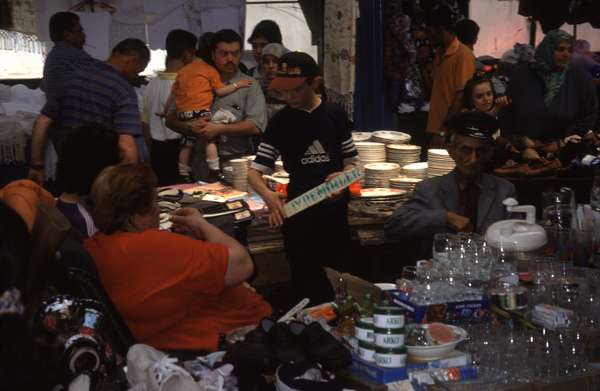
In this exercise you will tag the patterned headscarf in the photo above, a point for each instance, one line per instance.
(544, 65)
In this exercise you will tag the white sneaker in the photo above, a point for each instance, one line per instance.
(425, 107)
(146, 365)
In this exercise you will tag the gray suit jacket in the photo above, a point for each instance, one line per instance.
(425, 213)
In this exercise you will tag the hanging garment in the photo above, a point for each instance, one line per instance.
(340, 52)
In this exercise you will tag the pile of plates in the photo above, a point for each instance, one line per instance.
(403, 154)
(279, 166)
(390, 137)
(250, 159)
(370, 152)
(379, 201)
(361, 136)
(382, 194)
(404, 183)
(379, 174)
(228, 174)
(240, 174)
(415, 170)
(440, 162)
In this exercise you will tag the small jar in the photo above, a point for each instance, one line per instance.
(363, 331)
(366, 351)
(390, 357)
(389, 338)
(388, 317)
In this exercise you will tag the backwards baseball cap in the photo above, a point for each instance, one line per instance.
(294, 69)
(473, 124)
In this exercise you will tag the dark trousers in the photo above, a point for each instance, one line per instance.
(164, 159)
(319, 236)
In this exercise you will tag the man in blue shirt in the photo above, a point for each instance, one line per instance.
(99, 93)
(67, 55)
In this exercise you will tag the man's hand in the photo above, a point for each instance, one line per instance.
(37, 175)
(502, 102)
(207, 130)
(457, 222)
(188, 220)
(338, 193)
(437, 141)
(574, 138)
(276, 211)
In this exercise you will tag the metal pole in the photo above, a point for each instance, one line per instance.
(532, 31)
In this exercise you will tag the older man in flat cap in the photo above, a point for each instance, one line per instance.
(466, 199)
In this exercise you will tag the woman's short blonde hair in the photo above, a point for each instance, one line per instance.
(119, 193)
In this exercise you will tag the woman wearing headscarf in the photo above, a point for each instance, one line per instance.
(552, 100)
(269, 67)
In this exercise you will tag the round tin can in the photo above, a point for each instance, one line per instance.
(387, 317)
(363, 331)
(366, 351)
(390, 357)
(389, 338)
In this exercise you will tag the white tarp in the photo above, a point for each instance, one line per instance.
(502, 27)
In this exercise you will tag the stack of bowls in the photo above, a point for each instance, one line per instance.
(379, 174)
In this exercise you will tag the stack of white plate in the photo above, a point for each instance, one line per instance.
(404, 183)
(369, 152)
(361, 136)
(379, 174)
(403, 154)
(378, 201)
(228, 174)
(279, 165)
(390, 137)
(440, 162)
(250, 159)
(240, 174)
(382, 194)
(415, 170)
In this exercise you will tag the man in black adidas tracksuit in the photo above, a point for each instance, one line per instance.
(315, 144)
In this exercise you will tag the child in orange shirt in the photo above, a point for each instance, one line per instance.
(193, 93)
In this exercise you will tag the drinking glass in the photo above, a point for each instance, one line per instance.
(505, 265)
(441, 245)
(409, 273)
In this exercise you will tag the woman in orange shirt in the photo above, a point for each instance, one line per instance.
(175, 292)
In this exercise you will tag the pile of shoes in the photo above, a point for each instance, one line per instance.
(292, 352)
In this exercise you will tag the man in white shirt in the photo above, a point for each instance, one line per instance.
(164, 143)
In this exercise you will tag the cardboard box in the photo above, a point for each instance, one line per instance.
(453, 312)
(371, 371)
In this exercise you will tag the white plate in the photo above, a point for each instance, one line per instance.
(361, 136)
(381, 192)
(416, 166)
(437, 151)
(382, 166)
(437, 351)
